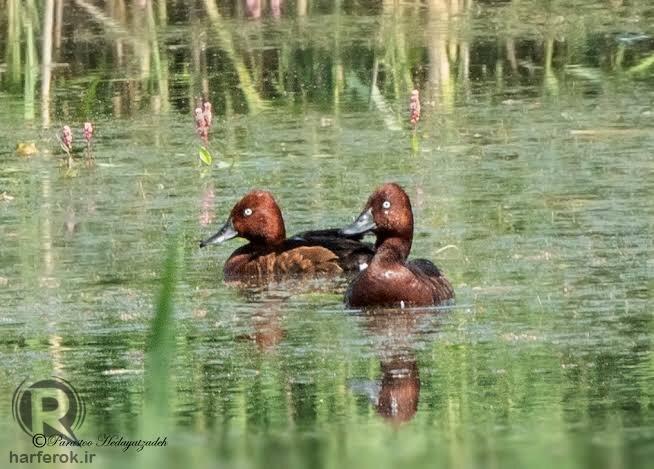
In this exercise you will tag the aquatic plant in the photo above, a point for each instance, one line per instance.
(88, 135)
(203, 122)
(414, 118)
(205, 156)
(160, 351)
(414, 108)
(88, 132)
(65, 138)
(26, 149)
(206, 113)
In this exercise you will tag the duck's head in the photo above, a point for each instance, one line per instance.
(387, 213)
(256, 217)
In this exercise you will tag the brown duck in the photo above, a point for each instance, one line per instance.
(391, 280)
(269, 255)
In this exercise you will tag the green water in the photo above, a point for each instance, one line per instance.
(532, 179)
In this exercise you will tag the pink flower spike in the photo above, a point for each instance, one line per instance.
(66, 139)
(88, 131)
(199, 117)
(201, 125)
(208, 116)
(414, 108)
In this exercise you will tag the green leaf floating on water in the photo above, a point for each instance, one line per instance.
(205, 156)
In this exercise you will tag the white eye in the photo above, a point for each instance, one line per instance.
(247, 212)
(386, 204)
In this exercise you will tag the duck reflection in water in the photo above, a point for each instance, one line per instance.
(396, 394)
(266, 323)
(399, 390)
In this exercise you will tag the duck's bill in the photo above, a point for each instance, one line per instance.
(227, 231)
(362, 224)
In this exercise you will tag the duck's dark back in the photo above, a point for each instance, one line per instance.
(353, 254)
(428, 271)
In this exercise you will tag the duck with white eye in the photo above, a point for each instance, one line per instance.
(386, 205)
(270, 255)
(391, 279)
